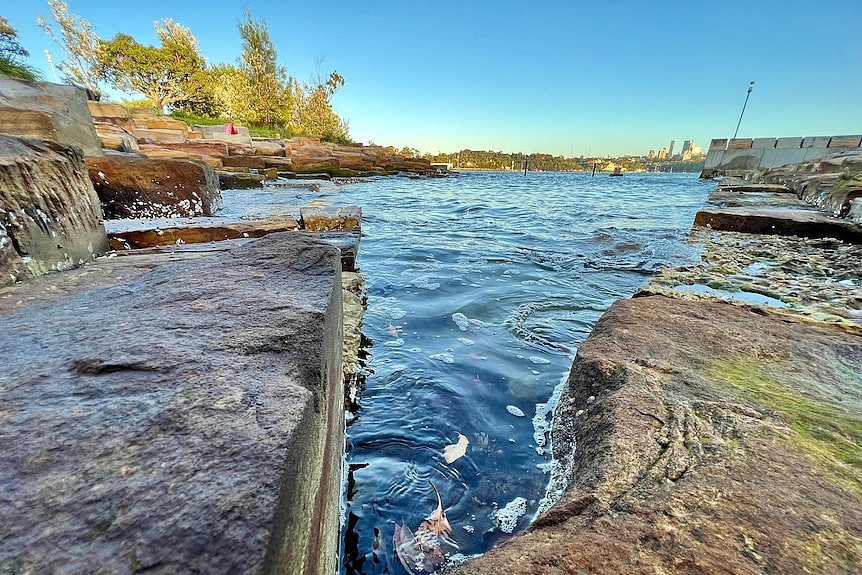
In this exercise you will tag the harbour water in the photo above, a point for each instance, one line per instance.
(480, 289)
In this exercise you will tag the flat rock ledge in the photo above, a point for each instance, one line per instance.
(711, 438)
(177, 418)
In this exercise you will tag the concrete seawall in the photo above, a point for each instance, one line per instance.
(739, 157)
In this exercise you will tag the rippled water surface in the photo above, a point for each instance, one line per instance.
(480, 288)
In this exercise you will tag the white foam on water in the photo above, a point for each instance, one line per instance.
(539, 360)
(465, 341)
(444, 357)
(461, 321)
(394, 343)
(508, 516)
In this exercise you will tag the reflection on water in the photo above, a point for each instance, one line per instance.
(480, 289)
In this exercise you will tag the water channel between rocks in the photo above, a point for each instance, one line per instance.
(480, 289)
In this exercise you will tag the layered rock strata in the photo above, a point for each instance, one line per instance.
(52, 112)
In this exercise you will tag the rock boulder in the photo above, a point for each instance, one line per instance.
(51, 112)
(49, 214)
(701, 438)
(186, 420)
(150, 188)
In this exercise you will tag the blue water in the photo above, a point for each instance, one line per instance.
(530, 263)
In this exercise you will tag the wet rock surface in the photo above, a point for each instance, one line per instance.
(815, 278)
(131, 187)
(184, 419)
(49, 214)
(148, 233)
(693, 446)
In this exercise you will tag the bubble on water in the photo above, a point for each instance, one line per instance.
(515, 410)
(539, 360)
(508, 516)
(461, 321)
(465, 341)
(468, 528)
(444, 357)
(415, 349)
(397, 313)
(394, 343)
(425, 282)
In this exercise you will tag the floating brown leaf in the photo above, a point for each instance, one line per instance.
(422, 552)
(456, 450)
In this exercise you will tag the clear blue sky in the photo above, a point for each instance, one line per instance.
(569, 77)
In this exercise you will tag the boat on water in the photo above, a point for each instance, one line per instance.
(617, 172)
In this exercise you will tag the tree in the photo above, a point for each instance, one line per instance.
(269, 103)
(79, 43)
(162, 74)
(12, 54)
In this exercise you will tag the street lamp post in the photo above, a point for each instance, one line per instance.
(747, 95)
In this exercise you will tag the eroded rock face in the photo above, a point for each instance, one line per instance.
(702, 438)
(191, 421)
(44, 111)
(49, 214)
(154, 188)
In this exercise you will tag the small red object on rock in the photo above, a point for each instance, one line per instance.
(229, 128)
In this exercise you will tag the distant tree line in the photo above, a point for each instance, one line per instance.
(175, 76)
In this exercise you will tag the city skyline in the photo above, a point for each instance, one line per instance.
(572, 79)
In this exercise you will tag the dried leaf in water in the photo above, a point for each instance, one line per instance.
(436, 522)
(392, 330)
(456, 450)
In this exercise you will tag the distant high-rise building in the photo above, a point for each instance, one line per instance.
(651, 155)
(662, 154)
(686, 146)
(670, 149)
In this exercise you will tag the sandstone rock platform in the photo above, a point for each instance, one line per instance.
(49, 214)
(131, 187)
(694, 446)
(175, 416)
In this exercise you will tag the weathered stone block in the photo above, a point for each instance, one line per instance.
(157, 136)
(51, 112)
(739, 144)
(239, 180)
(318, 219)
(244, 162)
(187, 420)
(149, 233)
(150, 188)
(49, 214)
(107, 110)
(113, 137)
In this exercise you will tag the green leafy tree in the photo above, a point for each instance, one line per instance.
(268, 97)
(12, 54)
(162, 74)
(79, 44)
